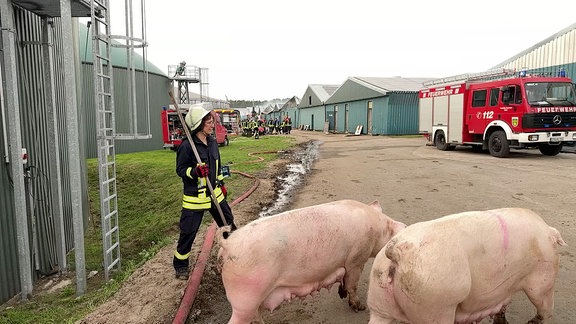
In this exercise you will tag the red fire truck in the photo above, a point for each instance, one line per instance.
(499, 110)
(173, 130)
(230, 118)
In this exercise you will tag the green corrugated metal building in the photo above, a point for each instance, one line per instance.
(312, 109)
(380, 106)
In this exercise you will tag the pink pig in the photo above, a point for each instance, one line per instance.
(465, 267)
(298, 252)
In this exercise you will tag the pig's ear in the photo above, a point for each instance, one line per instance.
(376, 205)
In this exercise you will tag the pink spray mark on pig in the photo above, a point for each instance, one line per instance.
(420, 276)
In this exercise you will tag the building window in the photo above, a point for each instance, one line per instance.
(310, 100)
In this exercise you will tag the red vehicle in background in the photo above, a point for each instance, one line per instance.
(173, 131)
(499, 110)
(230, 118)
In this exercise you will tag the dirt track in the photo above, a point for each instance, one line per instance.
(412, 182)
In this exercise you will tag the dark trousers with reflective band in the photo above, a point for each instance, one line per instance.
(190, 221)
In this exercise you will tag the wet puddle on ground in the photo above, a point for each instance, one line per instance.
(292, 179)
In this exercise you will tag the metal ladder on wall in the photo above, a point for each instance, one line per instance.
(106, 133)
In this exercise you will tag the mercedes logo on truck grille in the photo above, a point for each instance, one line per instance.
(557, 120)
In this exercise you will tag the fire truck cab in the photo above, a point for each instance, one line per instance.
(173, 131)
(499, 110)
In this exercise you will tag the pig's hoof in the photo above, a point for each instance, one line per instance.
(342, 292)
(357, 306)
(538, 319)
(500, 319)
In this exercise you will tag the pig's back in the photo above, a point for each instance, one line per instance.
(466, 254)
(478, 231)
(308, 233)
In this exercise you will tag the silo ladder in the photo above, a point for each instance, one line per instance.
(106, 132)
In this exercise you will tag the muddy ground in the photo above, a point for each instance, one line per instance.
(413, 183)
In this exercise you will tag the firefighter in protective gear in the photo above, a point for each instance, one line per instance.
(197, 197)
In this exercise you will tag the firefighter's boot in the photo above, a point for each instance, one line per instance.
(182, 273)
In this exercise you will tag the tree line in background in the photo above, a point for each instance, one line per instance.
(253, 103)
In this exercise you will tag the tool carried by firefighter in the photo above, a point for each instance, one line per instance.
(189, 136)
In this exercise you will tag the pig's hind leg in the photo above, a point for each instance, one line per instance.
(544, 303)
(350, 286)
(540, 291)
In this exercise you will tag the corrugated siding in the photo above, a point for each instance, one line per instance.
(548, 57)
(380, 115)
(34, 131)
(158, 93)
(313, 116)
(357, 115)
(552, 56)
(293, 114)
(558, 51)
(9, 278)
(35, 135)
(402, 116)
(394, 114)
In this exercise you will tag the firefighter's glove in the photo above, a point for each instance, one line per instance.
(201, 171)
(224, 191)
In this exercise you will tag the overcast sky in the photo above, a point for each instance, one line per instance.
(266, 49)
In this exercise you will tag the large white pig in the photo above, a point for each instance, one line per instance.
(465, 267)
(296, 253)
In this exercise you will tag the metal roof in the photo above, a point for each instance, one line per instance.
(292, 103)
(323, 91)
(394, 84)
(546, 41)
(51, 8)
(119, 55)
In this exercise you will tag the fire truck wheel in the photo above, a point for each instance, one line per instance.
(440, 142)
(550, 150)
(498, 144)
